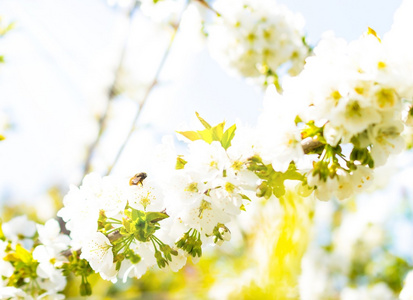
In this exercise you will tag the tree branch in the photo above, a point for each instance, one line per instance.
(111, 95)
(309, 144)
(207, 5)
(146, 96)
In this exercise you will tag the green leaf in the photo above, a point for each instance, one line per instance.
(154, 217)
(297, 120)
(180, 163)
(293, 174)
(127, 226)
(218, 131)
(211, 134)
(245, 197)
(311, 130)
(20, 255)
(134, 215)
(205, 123)
(273, 181)
(228, 136)
(23, 254)
(190, 135)
(206, 135)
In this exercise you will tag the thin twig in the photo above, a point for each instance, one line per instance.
(146, 96)
(111, 95)
(207, 5)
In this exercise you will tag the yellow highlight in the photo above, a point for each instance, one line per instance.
(373, 32)
(286, 244)
(381, 65)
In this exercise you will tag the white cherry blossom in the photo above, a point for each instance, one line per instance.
(97, 250)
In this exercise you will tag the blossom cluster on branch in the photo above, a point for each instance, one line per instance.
(334, 123)
(32, 265)
(255, 38)
(258, 40)
(351, 99)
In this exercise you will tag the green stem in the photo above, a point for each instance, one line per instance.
(158, 241)
(156, 249)
(122, 244)
(115, 220)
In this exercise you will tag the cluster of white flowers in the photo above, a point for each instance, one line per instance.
(279, 143)
(356, 90)
(278, 140)
(50, 258)
(112, 205)
(349, 93)
(28, 270)
(254, 38)
(123, 227)
(82, 205)
(209, 190)
(343, 185)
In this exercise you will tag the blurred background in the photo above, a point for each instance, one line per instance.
(61, 60)
(62, 68)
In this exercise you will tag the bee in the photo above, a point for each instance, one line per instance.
(138, 179)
